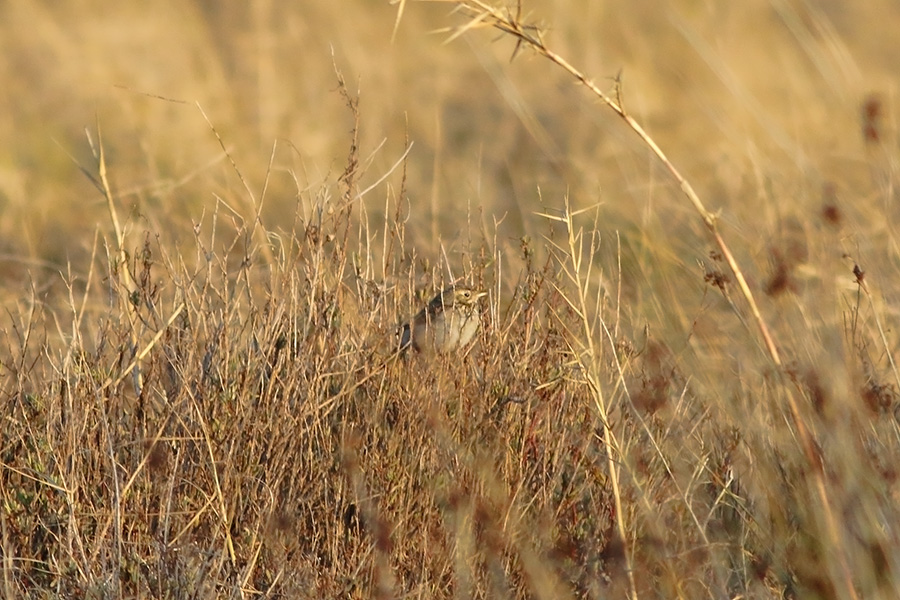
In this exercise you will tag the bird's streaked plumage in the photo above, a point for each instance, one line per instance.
(447, 324)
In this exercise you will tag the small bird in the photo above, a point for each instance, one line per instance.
(448, 323)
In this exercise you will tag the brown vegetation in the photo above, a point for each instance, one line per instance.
(213, 219)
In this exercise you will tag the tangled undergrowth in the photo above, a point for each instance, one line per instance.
(230, 417)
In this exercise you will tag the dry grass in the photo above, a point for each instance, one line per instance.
(200, 393)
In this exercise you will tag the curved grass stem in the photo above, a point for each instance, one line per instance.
(480, 15)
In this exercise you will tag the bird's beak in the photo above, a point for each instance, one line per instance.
(480, 295)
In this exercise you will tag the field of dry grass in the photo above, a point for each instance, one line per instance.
(213, 219)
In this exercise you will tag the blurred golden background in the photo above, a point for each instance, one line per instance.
(759, 103)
